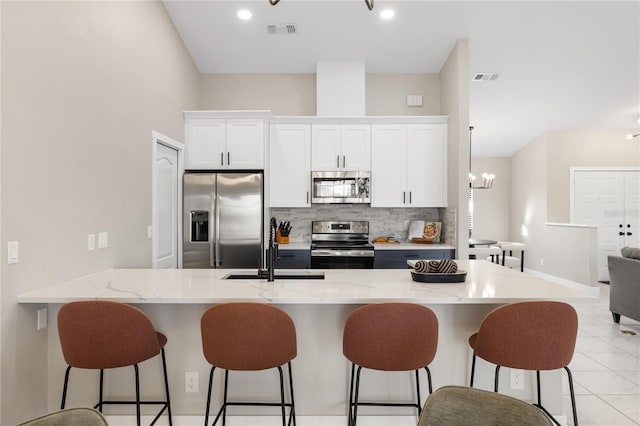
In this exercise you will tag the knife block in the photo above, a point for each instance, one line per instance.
(280, 239)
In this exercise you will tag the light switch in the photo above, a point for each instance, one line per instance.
(13, 252)
(91, 242)
(103, 240)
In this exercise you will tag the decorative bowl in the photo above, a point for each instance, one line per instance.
(456, 277)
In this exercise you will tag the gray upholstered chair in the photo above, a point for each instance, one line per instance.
(69, 417)
(624, 292)
(462, 406)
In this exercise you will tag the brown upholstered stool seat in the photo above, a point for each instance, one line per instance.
(536, 335)
(248, 337)
(389, 337)
(461, 406)
(100, 335)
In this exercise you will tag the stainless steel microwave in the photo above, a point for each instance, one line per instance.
(340, 187)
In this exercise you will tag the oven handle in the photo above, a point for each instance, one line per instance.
(342, 253)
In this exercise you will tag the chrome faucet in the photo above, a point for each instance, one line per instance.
(272, 250)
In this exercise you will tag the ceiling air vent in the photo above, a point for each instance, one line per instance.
(486, 76)
(282, 29)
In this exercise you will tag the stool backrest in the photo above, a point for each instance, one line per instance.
(461, 406)
(536, 335)
(391, 336)
(104, 334)
(247, 336)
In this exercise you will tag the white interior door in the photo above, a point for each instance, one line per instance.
(168, 167)
(632, 209)
(603, 198)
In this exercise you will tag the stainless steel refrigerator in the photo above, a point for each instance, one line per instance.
(223, 220)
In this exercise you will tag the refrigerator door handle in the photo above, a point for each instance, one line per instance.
(214, 225)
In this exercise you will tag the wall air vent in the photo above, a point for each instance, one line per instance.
(282, 29)
(486, 76)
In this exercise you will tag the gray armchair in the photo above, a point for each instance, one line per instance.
(624, 276)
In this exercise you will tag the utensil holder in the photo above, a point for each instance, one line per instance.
(280, 239)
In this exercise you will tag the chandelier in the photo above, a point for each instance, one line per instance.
(487, 178)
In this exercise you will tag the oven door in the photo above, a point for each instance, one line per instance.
(341, 259)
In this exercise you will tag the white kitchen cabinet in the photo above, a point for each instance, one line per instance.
(224, 143)
(290, 165)
(341, 147)
(408, 165)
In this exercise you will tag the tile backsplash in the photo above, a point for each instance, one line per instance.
(382, 221)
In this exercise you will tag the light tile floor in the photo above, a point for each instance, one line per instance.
(605, 367)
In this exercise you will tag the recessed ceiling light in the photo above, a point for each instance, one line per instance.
(387, 14)
(244, 14)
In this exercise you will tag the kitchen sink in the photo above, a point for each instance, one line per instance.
(278, 275)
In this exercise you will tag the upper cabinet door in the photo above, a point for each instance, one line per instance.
(245, 144)
(388, 165)
(427, 165)
(325, 147)
(290, 165)
(356, 147)
(205, 144)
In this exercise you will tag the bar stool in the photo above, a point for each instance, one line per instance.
(248, 337)
(389, 337)
(491, 253)
(535, 335)
(462, 406)
(69, 417)
(510, 260)
(99, 335)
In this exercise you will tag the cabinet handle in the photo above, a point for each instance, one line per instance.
(344, 161)
(404, 197)
(307, 197)
(222, 158)
(628, 225)
(228, 158)
(620, 226)
(409, 197)
(337, 161)
(629, 233)
(620, 233)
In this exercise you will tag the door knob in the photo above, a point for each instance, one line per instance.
(629, 233)
(620, 233)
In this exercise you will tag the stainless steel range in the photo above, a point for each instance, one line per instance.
(341, 245)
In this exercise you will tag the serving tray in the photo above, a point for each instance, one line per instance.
(456, 277)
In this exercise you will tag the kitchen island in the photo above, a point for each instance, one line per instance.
(175, 300)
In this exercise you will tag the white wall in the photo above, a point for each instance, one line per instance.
(84, 84)
(563, 251)
(491, 206)
(603, 148)
(454, 102)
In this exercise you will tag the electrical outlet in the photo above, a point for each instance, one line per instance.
(13, 250)
(103, 240)
(42, 318)
(517, 378)
(191, 382)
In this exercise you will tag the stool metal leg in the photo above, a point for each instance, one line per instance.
(497, 376)
(351, 383)
(293, 405)
(206, 412)
(355, 402)
(224, 406)
(135, 367)
(101, 390)
(573, 397)
(166, 386)
(473, 368)
(429, 378)
(418, 393)
(284, 414)
(64, 387)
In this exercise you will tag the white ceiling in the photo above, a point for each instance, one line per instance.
(563, 64)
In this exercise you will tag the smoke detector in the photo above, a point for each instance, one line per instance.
(486, 76)
(282, 29)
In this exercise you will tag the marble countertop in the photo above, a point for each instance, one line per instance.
(377, 246)
(486, 283)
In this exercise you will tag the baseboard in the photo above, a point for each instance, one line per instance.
(277, 421)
